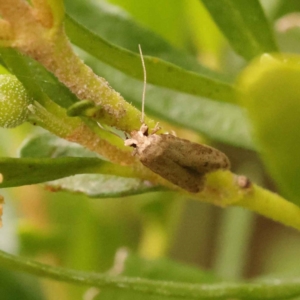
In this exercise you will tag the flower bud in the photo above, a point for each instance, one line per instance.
(14, 101)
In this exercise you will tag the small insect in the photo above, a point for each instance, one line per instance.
(180, 161)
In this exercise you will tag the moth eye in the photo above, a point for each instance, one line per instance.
(133, 146)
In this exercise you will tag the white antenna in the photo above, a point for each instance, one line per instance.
(145, 82)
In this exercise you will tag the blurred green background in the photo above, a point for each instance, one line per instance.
(85, 234)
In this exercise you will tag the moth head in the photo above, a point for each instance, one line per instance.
(131, 143)
(138, 137)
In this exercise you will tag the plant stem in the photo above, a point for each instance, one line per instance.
(272, 289)
(42, 117)
(272, 206)
(223, 189)
(54, 119)
(48, 44)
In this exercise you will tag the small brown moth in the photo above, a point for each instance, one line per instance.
(180, 161)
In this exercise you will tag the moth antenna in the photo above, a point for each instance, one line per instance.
(145, 82)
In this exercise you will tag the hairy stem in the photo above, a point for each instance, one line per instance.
(276, 289)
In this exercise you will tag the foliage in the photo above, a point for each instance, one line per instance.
(45, 82)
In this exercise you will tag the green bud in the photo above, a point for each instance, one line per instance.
(14, 101)
(270, 93)
(81, 108)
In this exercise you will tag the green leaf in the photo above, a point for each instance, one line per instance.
(15, 62)
(113, 24)
(165, 13)
(23, 171)
(48, 145)
(159, 72)
(103, 186)
(244, 25)
(36, 79)
(220, 121)
(271, 95)
(107, 180)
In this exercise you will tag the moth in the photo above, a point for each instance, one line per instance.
(180, 161)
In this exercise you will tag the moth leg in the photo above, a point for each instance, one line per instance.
(144, 129)
(156, 128)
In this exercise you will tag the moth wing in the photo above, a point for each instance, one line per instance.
(198, 157)
(180, 161)
(167, 168)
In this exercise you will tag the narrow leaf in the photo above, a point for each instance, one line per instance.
(225, 123)
(159, 72)
(244, 24)
(23, 171)
(220, 121)
(49, 145)
(103, 186)
(99, 178)
(36, 79)
(115, 25)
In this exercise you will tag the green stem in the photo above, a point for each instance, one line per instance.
(59, 58)
(272, 206)
(49, 45)
(42, 117)
(54, 119)
(276, 289)
(224, 188)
